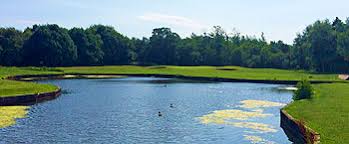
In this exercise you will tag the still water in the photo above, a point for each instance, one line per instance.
(125, 110)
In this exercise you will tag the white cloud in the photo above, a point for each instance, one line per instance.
(173, 20)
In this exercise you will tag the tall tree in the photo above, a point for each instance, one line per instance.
(343, 44)
(219, 44)
(140, 48)
(338, 25)
(163, 45)
(115, 46)
(49, 45)
(11, 42)
(323, 45)
(88, 46)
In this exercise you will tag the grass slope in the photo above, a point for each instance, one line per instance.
(12, 71)
(327, 113)
(14, 88)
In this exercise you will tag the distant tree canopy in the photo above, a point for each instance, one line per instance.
(115, 46)
(89, 46)
(322, 47)
(11, 42)
(162, 47)
(49, 45)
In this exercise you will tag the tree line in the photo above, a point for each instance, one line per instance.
(322, 47)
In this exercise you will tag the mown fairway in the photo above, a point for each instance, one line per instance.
(232, 72)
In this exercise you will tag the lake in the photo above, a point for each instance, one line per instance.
(125, 110)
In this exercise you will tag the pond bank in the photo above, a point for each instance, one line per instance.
(216, 79)
(29, 99)
(297, 131)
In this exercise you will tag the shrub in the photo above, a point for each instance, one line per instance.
(304, 90)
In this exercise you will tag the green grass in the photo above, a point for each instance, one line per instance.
(327, 113)
(14, 88)
(12, 71)
(234, 72)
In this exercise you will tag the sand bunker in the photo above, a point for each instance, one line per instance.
(27, 79)
(100, 76)
(69, 76)
(9, 114)
(250, 104)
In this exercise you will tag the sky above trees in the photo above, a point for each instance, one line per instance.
(278, 19)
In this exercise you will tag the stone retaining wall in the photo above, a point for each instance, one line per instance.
(297, 131)
(29, 99)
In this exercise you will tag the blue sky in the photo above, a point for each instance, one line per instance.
(278, 19)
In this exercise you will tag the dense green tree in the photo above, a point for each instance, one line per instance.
(88, 46)
(190, 51)
(115, 46)
(163, 44)
(304, 90)
(279, 56)
(140, 47)
(49, 45)
(186, 53)
(11, 42)
(343, 44)
(1, 53)
(338, 25)
(300, 53)
(322, 47)
(219, 44)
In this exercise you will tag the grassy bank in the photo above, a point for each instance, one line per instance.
(231, 72)
(14, 88)
(327, 113)
(10, 88)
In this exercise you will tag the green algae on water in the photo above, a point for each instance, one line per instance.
(9, 114)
